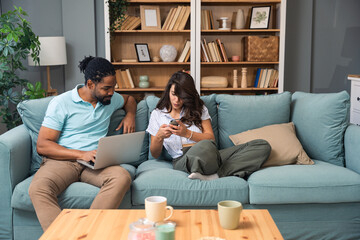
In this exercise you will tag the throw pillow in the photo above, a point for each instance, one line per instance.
(285, 147)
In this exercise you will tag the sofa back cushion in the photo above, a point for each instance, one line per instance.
(210, 103)
(238, 113)
(321, 120)
(32, 113)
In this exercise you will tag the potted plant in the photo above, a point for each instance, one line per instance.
(117, 9)
(17, 41)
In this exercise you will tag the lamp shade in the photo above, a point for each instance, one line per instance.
(52, 52)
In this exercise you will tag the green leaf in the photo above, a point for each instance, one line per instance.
(31, 87)
(37, 86)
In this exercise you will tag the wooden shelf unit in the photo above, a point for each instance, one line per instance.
(121, 45)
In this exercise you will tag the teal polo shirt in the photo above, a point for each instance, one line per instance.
(81, 125)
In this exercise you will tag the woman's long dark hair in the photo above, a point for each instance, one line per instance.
(186, 91)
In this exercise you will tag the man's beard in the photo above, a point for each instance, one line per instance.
(104, 100)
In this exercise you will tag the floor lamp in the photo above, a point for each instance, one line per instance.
(52, 53)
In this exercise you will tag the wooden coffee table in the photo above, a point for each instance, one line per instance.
(190, 225)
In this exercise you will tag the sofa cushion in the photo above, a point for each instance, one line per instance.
(319, 183)
(241, 113)
(78, 195)
(157, 177)
(32, 113)
(321, 121)
(285, 147)
(209, 102)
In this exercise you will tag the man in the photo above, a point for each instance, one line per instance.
(73, 124)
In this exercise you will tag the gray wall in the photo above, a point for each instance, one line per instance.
(322, 44)
(322, 40)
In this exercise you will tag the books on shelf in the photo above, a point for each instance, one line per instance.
(124, 78)
(213, 51)
(130, 22)
(177, 18)
(266, 78)
(185, 52)
(207, 20)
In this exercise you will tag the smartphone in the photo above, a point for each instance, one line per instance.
(173, 122)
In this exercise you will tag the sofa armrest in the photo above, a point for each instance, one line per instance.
(15, 158)
(15, 152)
(352, 148)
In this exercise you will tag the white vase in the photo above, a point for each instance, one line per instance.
(168, 53)
(240, 19)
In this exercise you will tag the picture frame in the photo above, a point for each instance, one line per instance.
(142, 52)
(260, 17)
(150, 17)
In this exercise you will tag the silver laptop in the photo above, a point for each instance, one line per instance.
(116, 150)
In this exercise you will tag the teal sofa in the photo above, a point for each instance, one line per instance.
(320, 201)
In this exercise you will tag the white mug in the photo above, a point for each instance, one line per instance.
(155, 208)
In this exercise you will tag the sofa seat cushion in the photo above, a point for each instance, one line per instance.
(319, 183)
(78, 195)
(158, 178)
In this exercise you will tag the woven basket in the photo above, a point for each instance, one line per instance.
(262, 49)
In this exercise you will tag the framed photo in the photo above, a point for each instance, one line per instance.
(150, 17)
(142, 52)
(260, 17)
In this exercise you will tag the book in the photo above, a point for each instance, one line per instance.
(134, 24)
(118, 78)
(211, 20)
(178, 20)
(207, 49)
(225, 55)
(206, 57)
(187, 56)
(184, 19)
(128, 60)
(167, 20)
(268, 75)
(130, 78)
(257, 77)
(217, 52)
(260, 76)
(184, 52)
(175, 17)
(212, 52)
(263, 78)
(222, 50)
(125, 79)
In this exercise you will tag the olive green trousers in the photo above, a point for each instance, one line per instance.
(240, 160)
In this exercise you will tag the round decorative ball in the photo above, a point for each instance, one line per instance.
(168, 53)
(144, 84)
(143, 78)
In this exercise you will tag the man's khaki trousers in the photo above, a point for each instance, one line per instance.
(54, 176)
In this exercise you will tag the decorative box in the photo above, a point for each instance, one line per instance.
(261, 49)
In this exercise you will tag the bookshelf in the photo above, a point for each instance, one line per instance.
(120, 45)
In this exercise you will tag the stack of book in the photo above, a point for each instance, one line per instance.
(213, 51)
(266, 78)
(207, 20)
(124, 78)
(177, 18)
(130, 23)
(185, 53)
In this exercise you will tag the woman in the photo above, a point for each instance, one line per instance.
(181, 101)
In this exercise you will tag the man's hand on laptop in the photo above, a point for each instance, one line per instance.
(128, 123)
(88, 156)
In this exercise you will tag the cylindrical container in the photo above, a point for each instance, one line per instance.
(240, 19)
(142, 229)
(165, 230)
